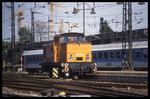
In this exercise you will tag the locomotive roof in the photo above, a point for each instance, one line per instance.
(33, 52)
(115, 46)
(72, 33)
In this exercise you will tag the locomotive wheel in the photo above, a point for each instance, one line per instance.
(75, 77)
(29, 72)
(39, 72)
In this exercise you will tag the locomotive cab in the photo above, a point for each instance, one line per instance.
(70, 54)
(74, 48)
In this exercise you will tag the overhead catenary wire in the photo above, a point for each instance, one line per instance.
(81, 13)
(73, 18)
(7, 5)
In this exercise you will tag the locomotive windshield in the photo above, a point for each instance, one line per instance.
(72, 37)
(65, 38)
(78, 38)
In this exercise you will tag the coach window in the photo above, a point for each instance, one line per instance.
(33, 57)
(145, 54)
(94, 55)
(30, 59)
(38, 58)
(111, 55)
(138, 53)
(44, 52)
(41, 57)
(27, 57)
(100, 55)
(105, 55)
(117, 55)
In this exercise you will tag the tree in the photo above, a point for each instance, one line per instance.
(107, 29)
(24, 35)
(6, 46)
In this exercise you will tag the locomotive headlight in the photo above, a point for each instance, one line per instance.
(71, 58)
(67, 74)
(87, 57)
(62, 64)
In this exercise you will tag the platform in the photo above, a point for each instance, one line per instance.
(119, 76)
(122, 73)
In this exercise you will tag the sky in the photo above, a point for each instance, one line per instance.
(110, 11)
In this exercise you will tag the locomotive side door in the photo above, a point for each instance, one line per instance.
(51, 52)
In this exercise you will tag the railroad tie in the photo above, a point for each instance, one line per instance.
(49, 92)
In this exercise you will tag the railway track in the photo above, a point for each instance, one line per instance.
(77, 87)
(96, 83)
(112, 84)
(13, 95)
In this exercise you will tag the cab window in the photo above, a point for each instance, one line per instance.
(65, 38)
(78, 38)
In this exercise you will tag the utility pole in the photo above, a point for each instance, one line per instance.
(84, 18)
(48, 28)
(130, 36)
(20, 18)
(127, 36)
(127, 58)
(19, 14)
(32, 25)
(13, 34)
(124, 36)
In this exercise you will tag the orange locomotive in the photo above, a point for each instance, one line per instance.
(68, 55)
